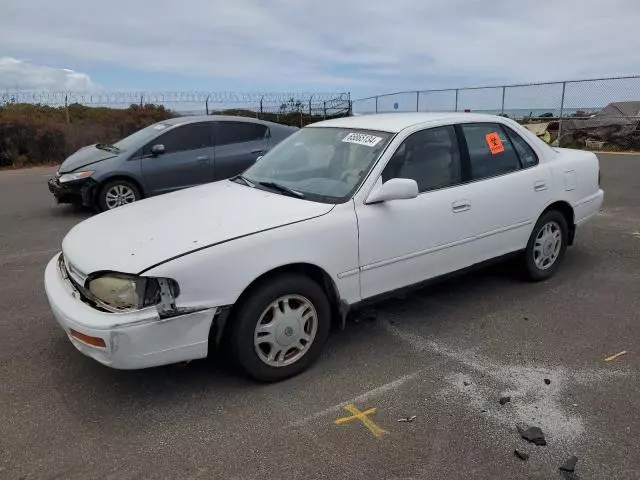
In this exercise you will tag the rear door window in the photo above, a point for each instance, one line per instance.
(491, 153)
(239, 132)
(527, 156)
(183, 138)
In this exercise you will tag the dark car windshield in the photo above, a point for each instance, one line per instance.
(141, 137)
(320, 163)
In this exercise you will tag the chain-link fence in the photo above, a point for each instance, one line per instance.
(298, 111)
(595, 113)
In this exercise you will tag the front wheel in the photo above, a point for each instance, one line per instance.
(116, 193)
(281, 328)
(546, 246)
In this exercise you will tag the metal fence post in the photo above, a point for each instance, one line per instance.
(324, 110)
(456, 100)
(376, 104)
(564, 87)
(417, 100)
(504, 89)
(66, 109)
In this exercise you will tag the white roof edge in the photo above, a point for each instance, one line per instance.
(396, 122)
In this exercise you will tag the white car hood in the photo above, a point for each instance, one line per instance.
(135, 237)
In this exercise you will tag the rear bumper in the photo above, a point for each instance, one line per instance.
(132, 340)
(588, 207)
(79, 191)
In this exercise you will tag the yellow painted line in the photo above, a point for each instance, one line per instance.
(613, 357)
(342, 420)
(363, 417)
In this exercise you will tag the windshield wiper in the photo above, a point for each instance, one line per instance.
(282, 189)
(108, 148)
(247, 182)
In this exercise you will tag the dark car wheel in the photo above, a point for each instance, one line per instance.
(546, 246)
(116, 193)
(281, 327)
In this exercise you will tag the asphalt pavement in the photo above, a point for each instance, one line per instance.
(444, 355)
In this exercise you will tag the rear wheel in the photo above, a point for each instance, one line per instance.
(116, 193)
(546, 246)
(281, 327)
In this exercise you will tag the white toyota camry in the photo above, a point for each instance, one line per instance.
(340, 213)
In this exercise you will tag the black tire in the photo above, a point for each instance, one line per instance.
(246, 319)
(533, 271)
(102, 202)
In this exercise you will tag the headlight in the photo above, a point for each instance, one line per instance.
(122, 292)
(70, 177)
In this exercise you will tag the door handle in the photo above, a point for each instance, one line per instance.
(202, 158)
(461, 206)
(539, 186)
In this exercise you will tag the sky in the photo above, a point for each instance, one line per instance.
(362, 47)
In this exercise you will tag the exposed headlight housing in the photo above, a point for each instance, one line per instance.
(120, 292)
(70, 177)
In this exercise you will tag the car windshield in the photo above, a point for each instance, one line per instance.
(319, 163)
(141, 137)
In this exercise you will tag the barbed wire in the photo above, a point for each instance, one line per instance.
(167, 97)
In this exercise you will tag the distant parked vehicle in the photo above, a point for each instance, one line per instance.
(164, 157)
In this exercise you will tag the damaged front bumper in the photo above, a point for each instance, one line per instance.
(132, 340)
(81, 192)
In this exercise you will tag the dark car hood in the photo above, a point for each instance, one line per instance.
(84, 157)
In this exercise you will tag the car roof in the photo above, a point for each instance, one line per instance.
(396, 122)
(215, 118)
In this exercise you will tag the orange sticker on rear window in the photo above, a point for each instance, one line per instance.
(494, 143)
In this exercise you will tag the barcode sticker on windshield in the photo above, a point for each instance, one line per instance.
(362, 139)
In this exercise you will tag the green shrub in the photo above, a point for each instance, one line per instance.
(38, 134)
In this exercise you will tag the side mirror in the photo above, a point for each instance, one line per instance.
(157, 150)
(394, 189)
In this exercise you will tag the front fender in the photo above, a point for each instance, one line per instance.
(218, 275)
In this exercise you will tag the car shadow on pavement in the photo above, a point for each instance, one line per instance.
(71, 210)
(463, 287)
(481, 287)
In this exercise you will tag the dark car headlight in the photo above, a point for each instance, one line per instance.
(124, 292)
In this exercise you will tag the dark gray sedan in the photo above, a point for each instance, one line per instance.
(167, 156)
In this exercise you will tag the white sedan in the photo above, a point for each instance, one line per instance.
(340, 213)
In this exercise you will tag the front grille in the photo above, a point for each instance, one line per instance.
(85, 295)
(74, 273)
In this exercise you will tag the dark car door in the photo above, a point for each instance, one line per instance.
(187, 159)
(238, 145)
